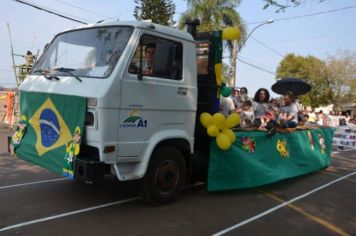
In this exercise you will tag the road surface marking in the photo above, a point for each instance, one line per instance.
(78, 211)
(280, 206)
(329, 173)
(67, 214)
(32, 183)
(324, 223)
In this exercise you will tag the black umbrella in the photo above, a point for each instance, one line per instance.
(296, 86)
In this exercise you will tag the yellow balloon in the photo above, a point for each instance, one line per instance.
(223, 141)
(206, 119)
(229, 133)
(213, 131)
(232, 120)
(231, 33)
(219, 120)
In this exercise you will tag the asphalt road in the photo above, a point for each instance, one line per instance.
(34, 201)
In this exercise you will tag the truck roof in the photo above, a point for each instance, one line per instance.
(141, 24)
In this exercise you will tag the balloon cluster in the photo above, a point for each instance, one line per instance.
(219, 127)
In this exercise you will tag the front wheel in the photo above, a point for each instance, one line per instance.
(165, 176)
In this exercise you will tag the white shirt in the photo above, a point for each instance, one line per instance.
(226, 105)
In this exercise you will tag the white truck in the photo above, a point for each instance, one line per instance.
(137, 126)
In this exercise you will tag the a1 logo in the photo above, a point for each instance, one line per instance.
(142, 123)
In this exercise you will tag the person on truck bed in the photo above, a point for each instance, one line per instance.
(290, 115)
(260, 107)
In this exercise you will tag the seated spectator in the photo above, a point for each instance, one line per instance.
(235, 98)
(246, 114)
(260, 106)
(289, 115)
(243, 94)
(304, 121)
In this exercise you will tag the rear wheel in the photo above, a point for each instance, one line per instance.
(165, 176)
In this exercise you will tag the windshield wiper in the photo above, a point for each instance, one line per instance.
(67, 71)
(45, 74)
(42, 71)
(51, 77)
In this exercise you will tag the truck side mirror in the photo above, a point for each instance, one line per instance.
(163, 59)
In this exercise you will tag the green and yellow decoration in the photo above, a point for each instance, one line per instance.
(282, 148)
(72, 150)
(220, 128)
(229, 33)
(18, 135)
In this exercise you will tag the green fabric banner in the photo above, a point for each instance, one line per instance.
(255, 159)
(54, 128)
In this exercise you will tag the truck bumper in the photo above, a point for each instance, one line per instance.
(89, 171)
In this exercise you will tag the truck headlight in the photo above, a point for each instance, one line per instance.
(89, 119)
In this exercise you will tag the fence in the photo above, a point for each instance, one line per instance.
(345, 137)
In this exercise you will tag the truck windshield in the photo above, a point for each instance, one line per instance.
(86, 52)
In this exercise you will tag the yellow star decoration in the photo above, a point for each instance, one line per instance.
(64, 136)
(282, 148)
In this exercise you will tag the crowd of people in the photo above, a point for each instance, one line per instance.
(265, 113)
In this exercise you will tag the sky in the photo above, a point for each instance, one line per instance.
(320, 35)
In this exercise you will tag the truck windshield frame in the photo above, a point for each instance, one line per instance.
(89, 52)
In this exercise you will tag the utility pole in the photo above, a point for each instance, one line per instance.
(12, 56)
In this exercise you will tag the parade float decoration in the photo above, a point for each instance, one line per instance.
(49, 141)
(247, 158)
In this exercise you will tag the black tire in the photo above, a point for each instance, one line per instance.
(165, 176)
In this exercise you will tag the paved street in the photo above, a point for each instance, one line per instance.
(36, 202)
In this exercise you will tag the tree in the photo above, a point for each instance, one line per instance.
(314, 71)
(286, 4)
(333, 81)
(342, 74)
(159, 11)
(215, 15)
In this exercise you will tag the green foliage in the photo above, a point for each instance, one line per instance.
(159, 11)
(332, 81)
(283, 5)
(313, 71)
(214, 15)
(342, 74)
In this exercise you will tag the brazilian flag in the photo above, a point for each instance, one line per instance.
(53, 119)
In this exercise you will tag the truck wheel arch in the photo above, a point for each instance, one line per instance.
(175, 138)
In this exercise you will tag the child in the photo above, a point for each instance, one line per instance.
(246, 114)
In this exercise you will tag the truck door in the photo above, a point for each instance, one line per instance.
(157, 100)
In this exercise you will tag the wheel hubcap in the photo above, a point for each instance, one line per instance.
(167, 177)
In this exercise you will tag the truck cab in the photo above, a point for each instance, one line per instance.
(137, 125)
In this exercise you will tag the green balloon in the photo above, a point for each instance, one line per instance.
(225, 91)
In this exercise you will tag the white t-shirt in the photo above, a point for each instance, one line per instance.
(226, 105)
